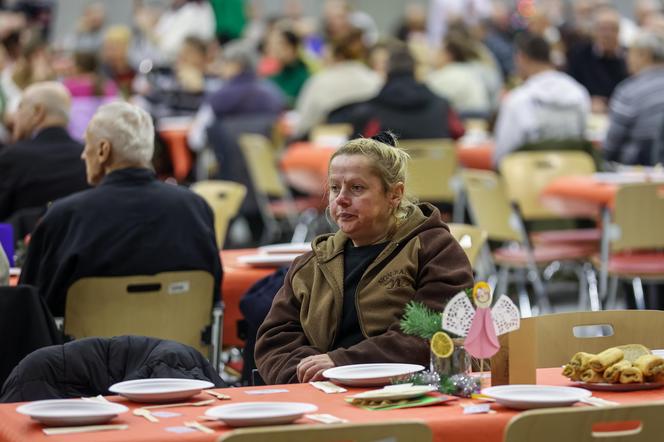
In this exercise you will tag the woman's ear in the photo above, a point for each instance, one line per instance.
(397, 194)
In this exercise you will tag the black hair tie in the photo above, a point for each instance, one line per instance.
(386, 137)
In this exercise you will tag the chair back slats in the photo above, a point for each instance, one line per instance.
(225, 199)
(262, 164)
(169, 305)
(624, 423)
(431, 169)
(393, 431)
(637, 217)
(490, 207)
(526, 174)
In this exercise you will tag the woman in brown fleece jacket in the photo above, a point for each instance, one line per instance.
(341, 303)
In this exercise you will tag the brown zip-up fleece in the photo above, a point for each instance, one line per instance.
(421, 262)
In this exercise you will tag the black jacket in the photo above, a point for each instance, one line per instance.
(404, 106)
(37, 171)
(88, 367)
(597, 73)
(131, 224)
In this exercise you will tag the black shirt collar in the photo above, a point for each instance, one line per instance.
(129, 175)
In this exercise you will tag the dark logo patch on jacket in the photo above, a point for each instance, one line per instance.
(394, 279)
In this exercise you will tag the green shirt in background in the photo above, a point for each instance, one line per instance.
(290, 80)
(230, 18)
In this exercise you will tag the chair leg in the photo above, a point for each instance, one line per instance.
(639, 298)
(584, 295)
(501, 285)
(217, 336)
(540, 291)
(593, 289)
(524, 299)
(613, 293)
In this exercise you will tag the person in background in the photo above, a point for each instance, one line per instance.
(413, 25)
(459, 80)
(345, 81)
(285, 46)
(44, 163)
(549, 105)
(115, 58)
(405, 106)
(600, 65)
(90, 29)
(4, 268)
(128, 224)
(636, 109)
(341, 303)
(89, 90)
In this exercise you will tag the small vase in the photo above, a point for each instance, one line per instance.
(458, 363)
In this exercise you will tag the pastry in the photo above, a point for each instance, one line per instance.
(605, 359)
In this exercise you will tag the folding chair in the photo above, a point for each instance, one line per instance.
(225, 199)
(471, 238)
(633, 239)
(168, 305)
(577, 424)
(263, 168)
(492, 211)
(393, 431)
(551, 340)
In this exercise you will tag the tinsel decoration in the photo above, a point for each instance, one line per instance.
(461, 385)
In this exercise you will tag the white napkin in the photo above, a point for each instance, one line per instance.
(328, 387)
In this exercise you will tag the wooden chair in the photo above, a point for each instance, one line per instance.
(225, 199)
(393, 431)
(169, 305)
(471, 238)
(263, 168)
(432, 169)
(331, 134)
(634, 239)
(576, 424)
(551, 340)
(492, 211)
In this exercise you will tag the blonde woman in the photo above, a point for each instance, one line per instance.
(341, 303)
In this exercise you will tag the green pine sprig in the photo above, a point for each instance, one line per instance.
(420, 320)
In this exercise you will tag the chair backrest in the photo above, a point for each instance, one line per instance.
(576, 424)
(526, 174)
(393, 431)
(331, 134)
(225, 199)
(169, 305)
(637, 217)
(431, 169)
(489, 205)
(262, 164)
(471, 239)
(551, 340)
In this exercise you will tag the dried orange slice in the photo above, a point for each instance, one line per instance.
(442, 345)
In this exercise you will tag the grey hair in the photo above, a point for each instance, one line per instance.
(128, 128)
(240, 52)
(652, 42)
(53, 96)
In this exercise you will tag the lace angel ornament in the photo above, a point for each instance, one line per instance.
(482, 326)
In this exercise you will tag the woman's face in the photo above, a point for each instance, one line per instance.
(358, 202)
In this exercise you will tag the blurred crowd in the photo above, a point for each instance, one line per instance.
(212, 59)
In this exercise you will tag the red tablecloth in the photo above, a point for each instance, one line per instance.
(578, 196)
(448, 422)
(237, 280)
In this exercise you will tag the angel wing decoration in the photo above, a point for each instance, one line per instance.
(480, 326)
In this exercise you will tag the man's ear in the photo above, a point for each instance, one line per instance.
(104, 151)
(39, 112)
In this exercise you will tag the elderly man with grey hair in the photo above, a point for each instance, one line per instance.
(129, 224)
(43, 164)
(636, 109)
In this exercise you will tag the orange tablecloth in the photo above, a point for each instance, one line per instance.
(476, 156)
(178, 151)
(578, 196)
(237, 280)
(448, 422)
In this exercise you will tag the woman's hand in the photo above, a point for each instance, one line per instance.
(311, 368)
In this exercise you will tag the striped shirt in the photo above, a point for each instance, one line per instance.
(636, 116)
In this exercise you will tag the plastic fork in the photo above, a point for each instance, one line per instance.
(198, 426)
(145, 413)
(181, 404)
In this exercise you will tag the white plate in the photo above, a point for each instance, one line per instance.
(627, 177)
(289, 247)
(265, 260)
(159, 389)
(601, 386)
(369, 375)
(658, 352)
(524, 397)
(246, 414)
(59, 412)
(396, 392)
